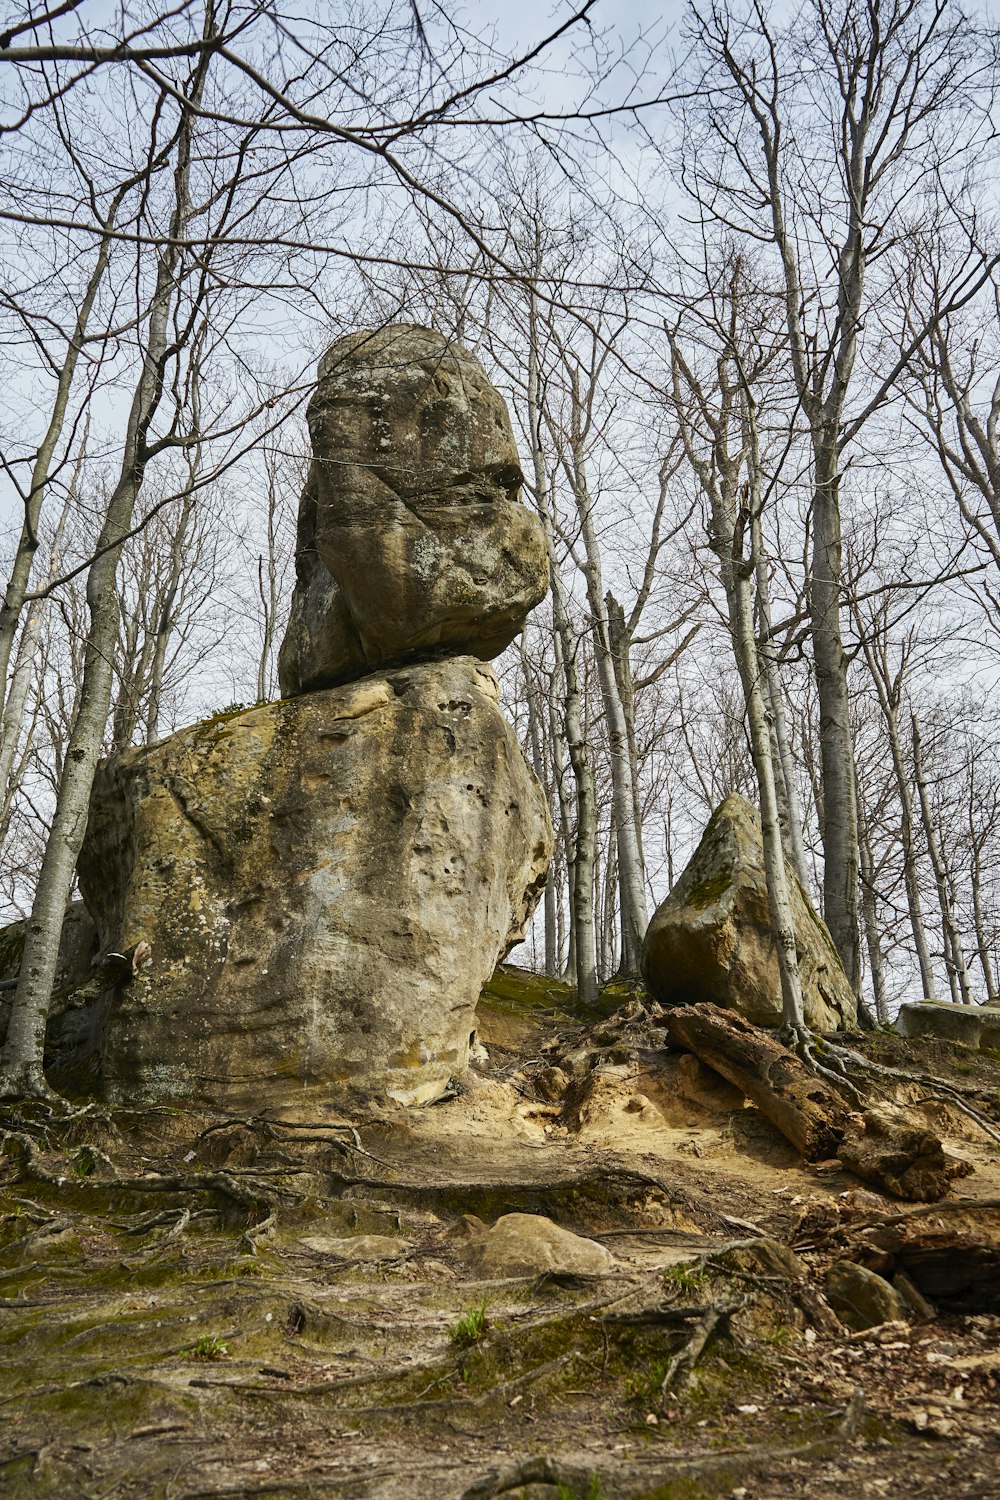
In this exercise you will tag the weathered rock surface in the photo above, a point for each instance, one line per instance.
(530, 1244)
(72, 1035)
(326, 883)
(77, 947)
(711, 938)
(411, 537)
(975, 1025)
(861, 1299)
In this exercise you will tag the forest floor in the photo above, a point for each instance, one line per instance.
(194, 1307)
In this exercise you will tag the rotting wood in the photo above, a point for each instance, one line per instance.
(904, 1160)
(797, 1103)
(949, 1251)
(907, 1161)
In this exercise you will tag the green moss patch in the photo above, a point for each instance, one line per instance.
(708, 891)
(519, 992)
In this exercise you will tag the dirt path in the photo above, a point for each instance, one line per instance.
(300, 1307)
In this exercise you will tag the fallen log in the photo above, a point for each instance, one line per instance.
(903, 1160)
(800, 1105)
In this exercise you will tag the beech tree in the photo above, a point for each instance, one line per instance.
(716, 366)
(815, 136)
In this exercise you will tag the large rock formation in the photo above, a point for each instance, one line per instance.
(411, 538)
(326, 883)
(711, 939)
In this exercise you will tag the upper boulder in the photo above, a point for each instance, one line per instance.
(712, 937)
(411, 536)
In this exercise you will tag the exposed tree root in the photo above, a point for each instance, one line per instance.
(940, 1089)
(568, 1477)
(681, 1367)
(582, 1482)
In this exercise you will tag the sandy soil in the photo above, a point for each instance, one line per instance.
(194, 1307)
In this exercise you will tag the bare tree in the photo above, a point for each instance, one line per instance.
(816, 134)
(721, 436)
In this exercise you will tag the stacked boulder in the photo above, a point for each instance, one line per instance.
(327, 881)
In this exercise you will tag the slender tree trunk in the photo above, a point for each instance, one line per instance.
(618, 640)
(735, 573)
(21, 1071)
(565, 782)
(840, 815)
(768, 657)
(267, 584)
(610, 906)
(869, 912)
(583, 942)
(982, 945)
(13, 722)
(178, 545)
(631, 876)
(538, 766)
(889, 690)
(585, 838)
(958, 977)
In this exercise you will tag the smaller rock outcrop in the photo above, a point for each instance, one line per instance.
(531, 1245)
(862, 1299)
(974, 1025)
(711, 939)
(411, 536)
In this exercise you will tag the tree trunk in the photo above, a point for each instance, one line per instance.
(954, 957)
(736, 579)
(538, 766)
(869, 912)
(631, 875)
(839, 816)
(12, 724)
(583, 945)
(785, 761)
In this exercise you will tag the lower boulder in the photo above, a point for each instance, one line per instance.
(711, 939)
(325, 882)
